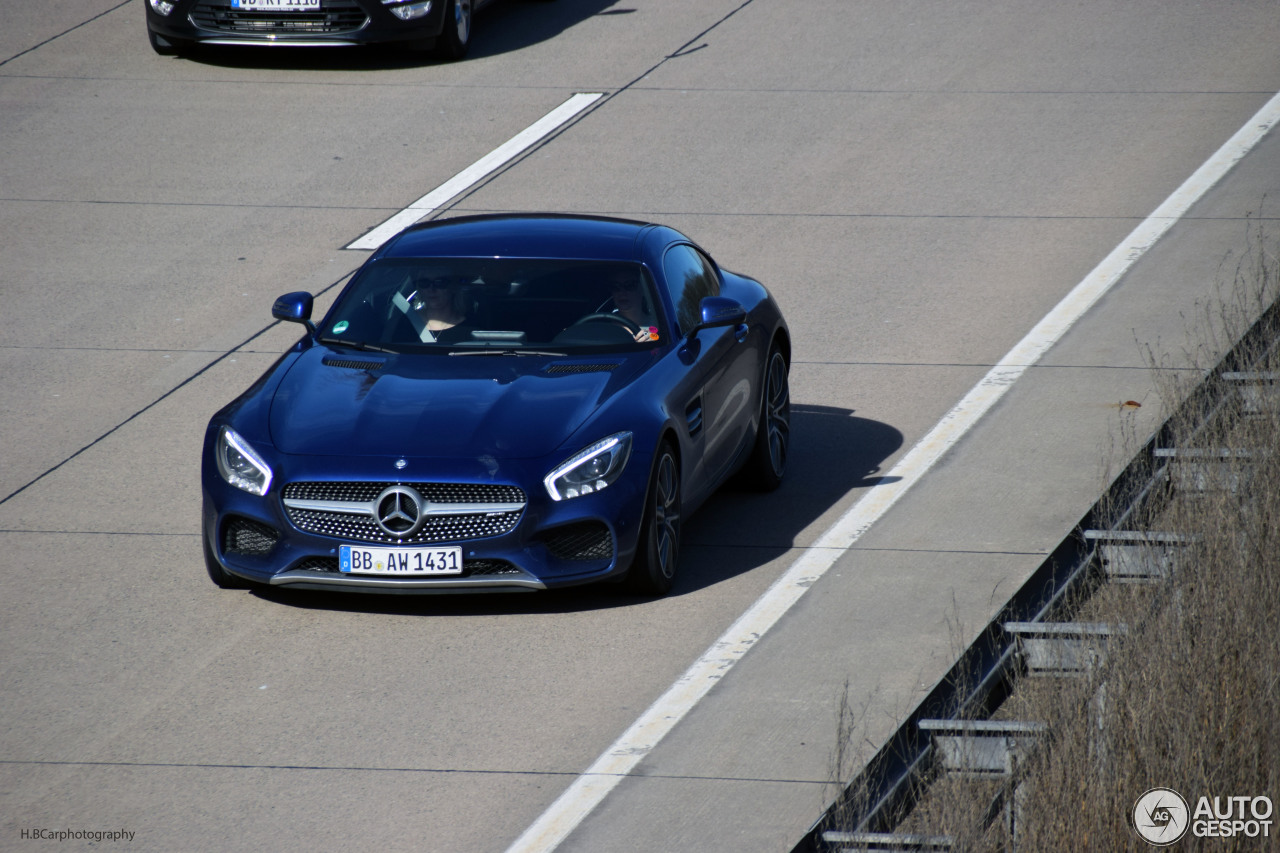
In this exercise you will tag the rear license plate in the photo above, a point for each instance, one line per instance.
(276, 5)
(363, 560)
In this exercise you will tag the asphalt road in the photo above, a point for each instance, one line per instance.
(918, 183)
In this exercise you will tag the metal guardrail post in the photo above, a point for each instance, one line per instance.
(885, 842)
(1137, 556)
(1062, 648)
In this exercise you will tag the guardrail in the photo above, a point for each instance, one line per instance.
(951, 732)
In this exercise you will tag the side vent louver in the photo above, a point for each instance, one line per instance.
(693, 415)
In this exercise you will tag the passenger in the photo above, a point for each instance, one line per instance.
(438, 308)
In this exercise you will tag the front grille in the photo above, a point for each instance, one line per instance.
(336, 17)
(361, 528)
(437, 528)
(470, 568)
(317, 564)
(248, 538)
(587, 540)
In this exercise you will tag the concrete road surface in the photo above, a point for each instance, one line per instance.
(919, 183)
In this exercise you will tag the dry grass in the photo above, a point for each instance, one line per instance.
(1188, 700)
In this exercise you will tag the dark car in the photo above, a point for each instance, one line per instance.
(500, 402)
(443, 26)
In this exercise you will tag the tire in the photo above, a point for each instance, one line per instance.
(217, 574)
(653, 571)
(768, 461)
(455, 38)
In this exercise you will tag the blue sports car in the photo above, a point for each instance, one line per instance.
(512, 402)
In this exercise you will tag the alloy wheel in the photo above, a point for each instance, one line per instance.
(666, 515)
(778, 413)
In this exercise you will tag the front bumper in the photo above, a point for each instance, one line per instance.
(550, 544)
(336, 23)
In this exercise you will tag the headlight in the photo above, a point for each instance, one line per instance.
(239, 465)
(162, 6)
(408, 11)
(590, 470)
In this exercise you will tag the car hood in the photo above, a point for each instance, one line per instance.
(342, 404)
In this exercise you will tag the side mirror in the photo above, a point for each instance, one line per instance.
(295, 308)
(719, 311)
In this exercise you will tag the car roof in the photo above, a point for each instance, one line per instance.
(525, 235)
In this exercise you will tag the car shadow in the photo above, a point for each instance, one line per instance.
(502, 27)
(833, 453)
(735, 531)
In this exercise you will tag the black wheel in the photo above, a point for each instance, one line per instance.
(455, 38)
(164, 46)
(768, 460)
(654, 569)
(217, 574)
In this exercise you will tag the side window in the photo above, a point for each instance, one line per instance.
(690, 277)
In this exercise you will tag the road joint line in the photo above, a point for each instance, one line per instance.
(573, 806)
(477, 171)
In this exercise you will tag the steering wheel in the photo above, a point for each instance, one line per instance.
(631, 327)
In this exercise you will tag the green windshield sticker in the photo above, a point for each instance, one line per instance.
(340, 327)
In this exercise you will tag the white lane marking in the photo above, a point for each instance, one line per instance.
(589, 789)
(471, 175)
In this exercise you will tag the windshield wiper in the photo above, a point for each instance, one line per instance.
(508, 352)
(360, 345)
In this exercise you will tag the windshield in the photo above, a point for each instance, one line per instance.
(507, 304)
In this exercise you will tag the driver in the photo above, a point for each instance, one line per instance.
(631, 303)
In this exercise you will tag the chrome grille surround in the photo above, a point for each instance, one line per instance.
(434, 492)
(451, 512)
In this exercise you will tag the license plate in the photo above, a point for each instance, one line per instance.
(276, 5)
(363, 560)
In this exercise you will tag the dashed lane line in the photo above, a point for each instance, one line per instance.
(589, 789)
